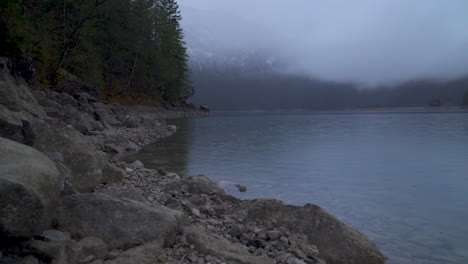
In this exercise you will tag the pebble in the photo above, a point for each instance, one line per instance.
(273, 235)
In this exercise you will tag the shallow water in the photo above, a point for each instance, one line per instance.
(400, 177)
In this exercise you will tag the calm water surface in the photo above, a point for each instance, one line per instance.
(399, 177)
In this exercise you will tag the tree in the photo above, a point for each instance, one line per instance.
(127, 48)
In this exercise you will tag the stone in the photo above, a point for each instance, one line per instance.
(93, 246)
(241, 188)
(29, 189)
(199, 184)
(310, 251)
(105, 115)
(209, 243)
(195, 212)
(55, 236)
(273, 235)
(79, 154)
(137, 164)
(111, 174)
(121, 223)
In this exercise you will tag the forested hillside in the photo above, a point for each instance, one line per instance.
(126, 48)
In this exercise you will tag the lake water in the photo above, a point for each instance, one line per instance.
(400, 177)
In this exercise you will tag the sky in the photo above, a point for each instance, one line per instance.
(364, 41)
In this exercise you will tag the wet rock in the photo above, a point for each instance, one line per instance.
(29, 188)
(241, 188)
(121, 223)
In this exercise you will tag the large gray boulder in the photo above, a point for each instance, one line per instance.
(338, 243)
(79, 154)
(121, 223)
(29, 188)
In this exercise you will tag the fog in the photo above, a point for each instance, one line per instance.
(364, 41)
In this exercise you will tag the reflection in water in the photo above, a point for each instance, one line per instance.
(401, 178)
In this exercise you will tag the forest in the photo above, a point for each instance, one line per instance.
(126, 48)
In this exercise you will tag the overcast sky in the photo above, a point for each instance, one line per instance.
(370, 41)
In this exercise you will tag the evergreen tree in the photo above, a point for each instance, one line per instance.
(124, 47)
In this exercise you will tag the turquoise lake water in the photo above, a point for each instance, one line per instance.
(400, 177)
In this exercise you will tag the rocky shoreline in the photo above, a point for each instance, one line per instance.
(66, 198)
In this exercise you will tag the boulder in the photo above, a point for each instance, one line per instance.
(15, 125)
(29, 188)
(121, 223)
(106, 116)
(79, 154)
(199, 184)
(338, 243)
(15, 94)
(208, 243)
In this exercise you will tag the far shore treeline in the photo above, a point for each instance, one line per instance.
(126, 48)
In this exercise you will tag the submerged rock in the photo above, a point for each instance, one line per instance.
(29, 188)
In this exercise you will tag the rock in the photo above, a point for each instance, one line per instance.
(209, 243)
(204, 108)
(310, 251)
(172, 128)
(14, 125)
(131, 122)
(29, 188)
(127, 193)
(79, 154)
(241, 188)
(235, 231)
(62, 252)
(93, 246)
(195, 212)
(137, 164)
(199, 184)
(55, 236)
(104, 115)
(66, 99)
(273, 235)
(111, 174)
(151, 253)
(71, 84)
(338, 243)
(14, 94)
(121, 223)
(30, 259)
